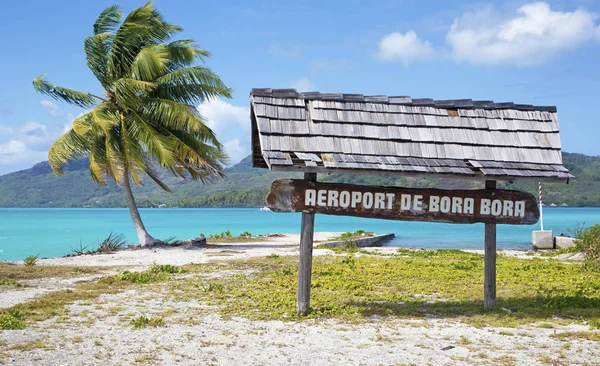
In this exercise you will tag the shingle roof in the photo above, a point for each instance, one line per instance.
(352, 133)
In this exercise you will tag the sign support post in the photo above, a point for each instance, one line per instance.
(305, 256)
(489, 278)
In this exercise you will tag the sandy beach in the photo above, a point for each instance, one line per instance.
(98, 332)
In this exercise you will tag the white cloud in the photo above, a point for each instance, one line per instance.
(224, 118)
(10, 150)
(231, 124)
(15, 155)
(51, 107)
(303, 85)
(405, 47)
(25, 145)
(236, 150)
(533, 35)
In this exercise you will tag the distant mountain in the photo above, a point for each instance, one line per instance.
(245, 186)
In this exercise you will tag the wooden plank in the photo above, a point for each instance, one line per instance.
(305, 256)
(489, 278)
(408, 204)
(373, 171)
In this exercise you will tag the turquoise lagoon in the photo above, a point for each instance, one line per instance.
(54, 232)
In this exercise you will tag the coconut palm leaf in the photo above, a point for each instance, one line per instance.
(108, 20)
(147, 117)
(81, 99)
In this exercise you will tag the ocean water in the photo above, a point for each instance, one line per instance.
(54, 232)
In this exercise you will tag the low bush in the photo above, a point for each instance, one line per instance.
(142, 322)
(31, 260)
(11, 319)
(589, 243)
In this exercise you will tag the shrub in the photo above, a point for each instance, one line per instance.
(139, 277)
(142, 321)
(165, 268)
(112, 243)
(245, 234)
(31, 260)
(81, 250)
(11, 319)
(589, 242)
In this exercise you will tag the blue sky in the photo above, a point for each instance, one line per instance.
(542, 53)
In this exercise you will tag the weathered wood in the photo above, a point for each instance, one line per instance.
(375, 171)
(305, 256)
(409, 204)
(489, 278)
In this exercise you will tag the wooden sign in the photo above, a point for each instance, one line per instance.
(393, 203)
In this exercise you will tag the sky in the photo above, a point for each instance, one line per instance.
(541, 53)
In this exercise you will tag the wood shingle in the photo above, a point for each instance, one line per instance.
(332, 133)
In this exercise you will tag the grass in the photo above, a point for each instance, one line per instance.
(352, 235)
(142, 322)
(15, 272)
(11, 283)
(409, 284)
(590, 336)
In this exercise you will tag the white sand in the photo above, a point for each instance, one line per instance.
(98, 332)
(285, 245)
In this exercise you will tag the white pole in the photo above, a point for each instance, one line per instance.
(541, 204)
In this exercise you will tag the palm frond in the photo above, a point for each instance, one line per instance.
(155, 143)
(128, 92)
(83, 124)
(114, 156)
(190, 85)
(150, 63)
(67, 147)
(142, 27)
(97, 48)
(81, 99)
(154, 176)
(105, 116)
(184, 53)
(108, 20)
(98, 161)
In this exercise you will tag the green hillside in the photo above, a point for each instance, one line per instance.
(247, 187)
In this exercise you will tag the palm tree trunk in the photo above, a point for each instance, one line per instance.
(143, 236)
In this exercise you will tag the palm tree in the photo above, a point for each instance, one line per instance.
(146, 117)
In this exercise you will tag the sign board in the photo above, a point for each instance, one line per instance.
(410, 204)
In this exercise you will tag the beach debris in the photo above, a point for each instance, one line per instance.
(447, 348)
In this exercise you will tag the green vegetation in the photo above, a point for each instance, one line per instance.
(156, 273)
(247, 187)
(14, 272)
(142, 322)
(589, 243)
(11, 319)
(227, 237)
(224, 234)
(352, 235)
(31, 260)
(112, 243)
(143, 118)
(409, 284)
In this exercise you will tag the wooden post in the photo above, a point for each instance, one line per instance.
(305, 257)
(489, 278)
